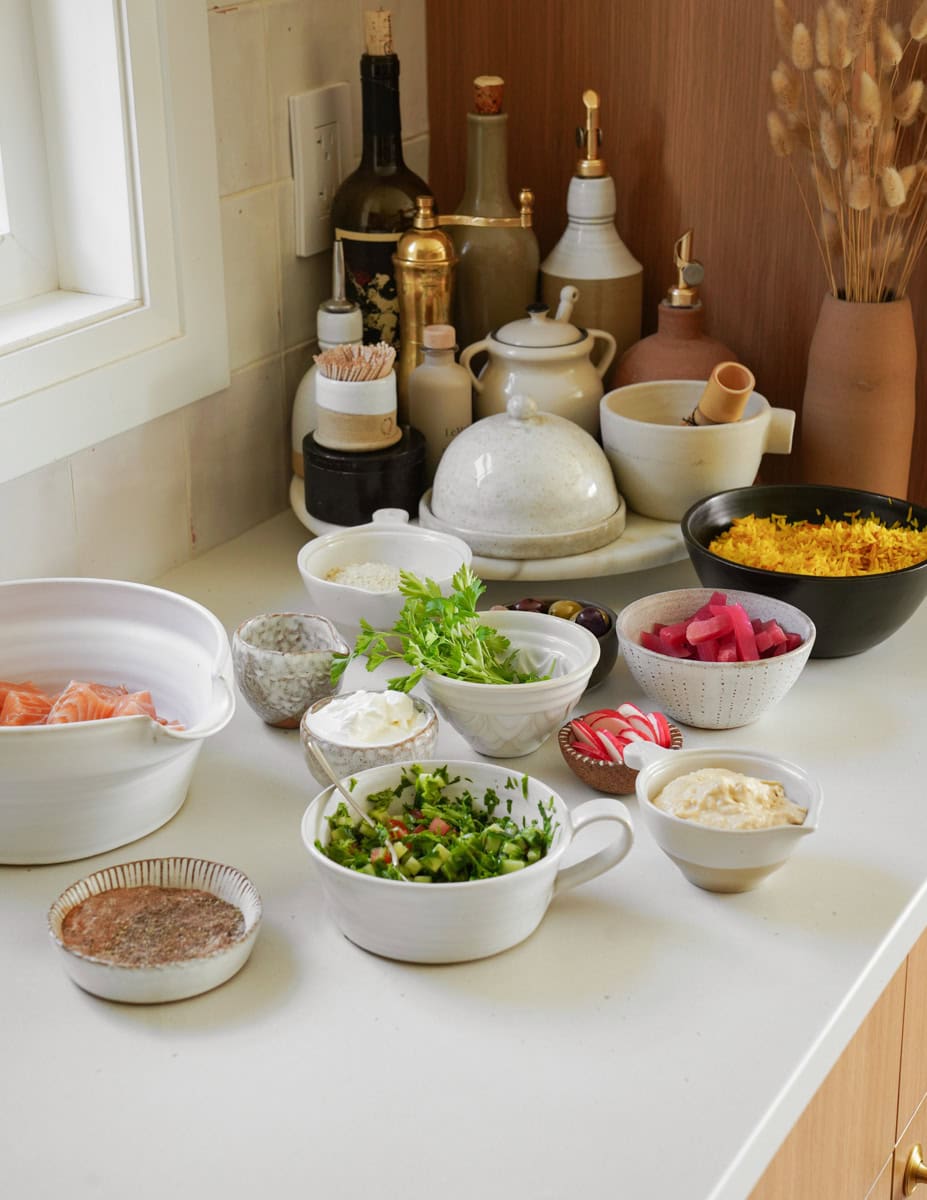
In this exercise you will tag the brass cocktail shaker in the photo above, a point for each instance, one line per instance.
(424, 263)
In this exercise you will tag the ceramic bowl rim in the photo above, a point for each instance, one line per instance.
(652, 384)
(249, 930)
(558, 849)
(420, 703)
(763, 573)
(816, 797)
(340, 647)
(315, 546)
(804, 648)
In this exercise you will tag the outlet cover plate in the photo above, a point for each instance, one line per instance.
(320, 139)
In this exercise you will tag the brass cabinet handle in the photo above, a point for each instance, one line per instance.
(915, 1170)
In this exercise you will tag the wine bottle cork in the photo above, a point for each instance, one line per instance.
(487, 94)
(378, 31)
(725, 396)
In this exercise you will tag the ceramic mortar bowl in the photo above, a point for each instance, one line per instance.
(612, 778)
(722, 860)
(283, 664)
(711, 695)
(853, 613)
(348, 758)
(389, 539)
(663, 465)
(458, 922)
(508, 720)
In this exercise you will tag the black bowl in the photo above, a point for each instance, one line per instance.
(608, 641)
(852, 613)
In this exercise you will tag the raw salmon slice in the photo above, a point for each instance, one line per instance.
(7, 686)
(135, 704)
(84, 702)
(23, 706)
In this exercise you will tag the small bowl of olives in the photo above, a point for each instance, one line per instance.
(599, 619)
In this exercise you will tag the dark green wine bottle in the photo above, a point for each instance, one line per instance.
(375, 204)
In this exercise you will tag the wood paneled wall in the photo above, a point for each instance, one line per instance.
(685, 92)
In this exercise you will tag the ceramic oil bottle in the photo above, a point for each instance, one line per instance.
(590, 254)
(498, 264)
(680, 349)
(440, 402)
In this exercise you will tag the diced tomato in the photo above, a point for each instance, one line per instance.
(379, 853)
(397, 829)
(439, 826)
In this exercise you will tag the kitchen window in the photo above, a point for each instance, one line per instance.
(112, 306)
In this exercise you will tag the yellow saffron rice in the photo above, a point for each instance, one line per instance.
(851, 545)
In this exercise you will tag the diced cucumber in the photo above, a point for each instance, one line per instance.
(410, 865)
(511, 864)
(512, 850)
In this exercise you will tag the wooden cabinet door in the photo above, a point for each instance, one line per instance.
(844, 1138)
(915, 1133)
(913, 1085)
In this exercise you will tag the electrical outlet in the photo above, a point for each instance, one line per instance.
(320, 138)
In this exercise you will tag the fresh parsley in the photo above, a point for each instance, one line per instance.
(439, 633)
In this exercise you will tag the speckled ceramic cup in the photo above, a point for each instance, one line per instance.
(283, 664)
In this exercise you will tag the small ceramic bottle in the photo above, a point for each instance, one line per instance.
(498, 266)
(439, 395)
(590, 255)
(680, 349)
(339, 322)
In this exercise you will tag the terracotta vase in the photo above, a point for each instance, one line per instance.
(857, 424)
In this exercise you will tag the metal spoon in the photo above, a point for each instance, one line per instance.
(326, 768)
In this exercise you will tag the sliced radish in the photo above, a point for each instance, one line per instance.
(614, 724)
(642, 726)
(589, 751)
(614, 747)
(585, 734)
(664, 733)
(629, 710)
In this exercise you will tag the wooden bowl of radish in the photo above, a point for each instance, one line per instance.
(593, 745)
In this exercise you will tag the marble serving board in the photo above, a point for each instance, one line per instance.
(644, 544)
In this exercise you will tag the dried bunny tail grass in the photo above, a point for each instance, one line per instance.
(861, 137)
(785, 23)
(827, 81)
(827, 193)
(802, 47)
(885, 148)
(907, 103)
(780, 136)
(893, 189)
(918, 26)
(861, 13)
(830, 233)
(831, 145)
(839, 21)
(867, 100)
(859, 193)
(890, 51)
(822, 37)
(785, 89)
(887, 251)
(842, 114)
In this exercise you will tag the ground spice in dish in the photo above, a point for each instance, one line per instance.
(853, 545)
(148, 926)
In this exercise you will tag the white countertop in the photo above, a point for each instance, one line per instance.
(646, 1031)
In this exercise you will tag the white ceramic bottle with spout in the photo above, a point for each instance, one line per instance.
(440, 402)
(590, 254)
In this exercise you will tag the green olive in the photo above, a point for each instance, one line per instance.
(565, 608)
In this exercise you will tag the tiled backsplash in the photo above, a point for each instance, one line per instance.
(145, 501)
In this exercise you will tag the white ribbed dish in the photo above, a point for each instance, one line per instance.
(167, 981)
(457, 922)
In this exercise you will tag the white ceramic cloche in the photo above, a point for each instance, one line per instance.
(525, 484)
(547, 358)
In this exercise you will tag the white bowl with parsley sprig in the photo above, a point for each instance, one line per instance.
(504, 680)
(482, 847)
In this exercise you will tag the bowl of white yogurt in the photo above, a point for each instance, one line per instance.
(364, 729)
(726, 818)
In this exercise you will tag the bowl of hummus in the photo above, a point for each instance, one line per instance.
(726, 818)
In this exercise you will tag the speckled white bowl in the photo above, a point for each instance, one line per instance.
(283, 663)
(346, 760)
(711, 695)
(167, 981)
(508, 720)
(722, 860)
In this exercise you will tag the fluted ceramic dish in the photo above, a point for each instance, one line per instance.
(283, 664)
(347, 760)
(166, 981)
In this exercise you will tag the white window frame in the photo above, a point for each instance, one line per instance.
(138, 329)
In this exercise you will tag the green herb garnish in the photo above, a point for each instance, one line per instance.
(439, 633)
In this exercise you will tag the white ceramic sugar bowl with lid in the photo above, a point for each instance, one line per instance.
(525, 484)
(547, 358)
